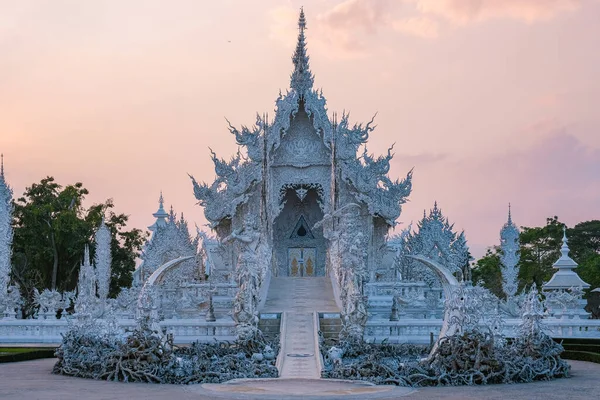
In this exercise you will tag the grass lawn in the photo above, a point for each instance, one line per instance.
(12, 354)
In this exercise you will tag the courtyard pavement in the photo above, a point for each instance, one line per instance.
(32, 380)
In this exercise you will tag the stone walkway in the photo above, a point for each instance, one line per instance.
(298, 299)
(33, 380)
(300, 295)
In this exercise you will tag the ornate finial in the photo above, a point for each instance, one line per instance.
(161, 201)
(509, 215)
(564, 249)
(2, 165)
(435, 208)
(301, 20)
(302, 79)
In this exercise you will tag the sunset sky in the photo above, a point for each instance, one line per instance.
(491, 101)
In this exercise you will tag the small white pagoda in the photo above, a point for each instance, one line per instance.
(564, 291)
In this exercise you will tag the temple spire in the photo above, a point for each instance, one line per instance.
(509, 257)
(302, 79)
(160, 214)
(2, 166)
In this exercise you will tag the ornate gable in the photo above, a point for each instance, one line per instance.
(435, 240)
(301, 135)
(168, 243)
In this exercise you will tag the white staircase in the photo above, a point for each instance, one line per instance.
(299, 300)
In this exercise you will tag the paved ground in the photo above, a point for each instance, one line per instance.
(32, 380)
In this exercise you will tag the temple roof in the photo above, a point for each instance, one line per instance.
(366, 175)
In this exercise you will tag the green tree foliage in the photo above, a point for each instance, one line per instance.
(540, 248)
(486, 271)
(584, 242)
(51, 228)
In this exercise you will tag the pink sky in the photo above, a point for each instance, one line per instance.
(492, 101)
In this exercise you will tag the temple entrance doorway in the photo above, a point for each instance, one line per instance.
(301, 261)
(299, 250)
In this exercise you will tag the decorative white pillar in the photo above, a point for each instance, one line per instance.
(102, 260)
(6, 234)
(509, 258)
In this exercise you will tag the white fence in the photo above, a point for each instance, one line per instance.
(49, 331)
(420, 330)
(186, 331)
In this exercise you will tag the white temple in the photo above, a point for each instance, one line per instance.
(301, 217)
(302, 200)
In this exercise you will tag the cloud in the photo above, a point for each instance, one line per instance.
(422, 158)
(345, 30)
(557, 174)
(365, 15)
(417, 26)
(335, 41)
(348, 25)
(465, 11)
(283, 25)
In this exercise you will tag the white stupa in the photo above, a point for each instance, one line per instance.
(565, 277)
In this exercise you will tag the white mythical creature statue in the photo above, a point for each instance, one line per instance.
(248, 275)
(49, 301)
(349, 266)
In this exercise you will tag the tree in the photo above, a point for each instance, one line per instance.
(487, 272)
(51, 228)
(50, 232)
(584, 242)
(540, 248)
